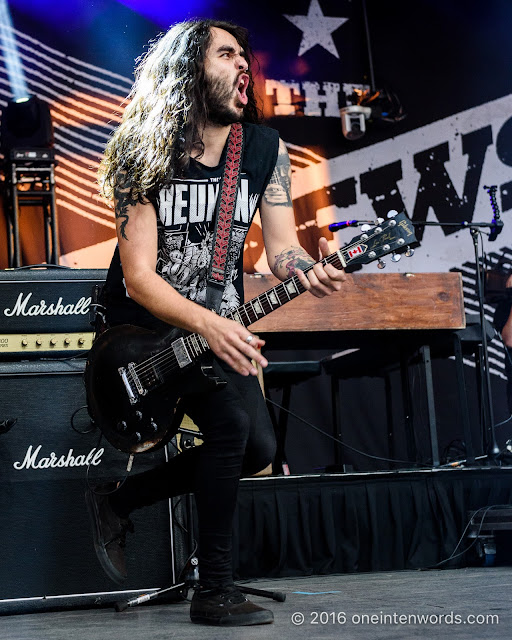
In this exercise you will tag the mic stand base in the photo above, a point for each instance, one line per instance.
(190, 580)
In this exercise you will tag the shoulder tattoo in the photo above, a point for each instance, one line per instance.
(278, 191)
(123, 200)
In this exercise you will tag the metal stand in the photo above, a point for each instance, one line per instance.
(189, 576)
(190, 580)
(492, 448)
(31, 182)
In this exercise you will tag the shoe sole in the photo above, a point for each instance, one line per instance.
(99, 543)
(242, 620)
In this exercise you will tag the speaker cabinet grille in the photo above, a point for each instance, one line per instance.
(45, 537)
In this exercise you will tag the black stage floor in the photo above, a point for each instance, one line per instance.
(458, 603)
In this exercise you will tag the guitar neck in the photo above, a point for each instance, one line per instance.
(266, 302)
(279, 295)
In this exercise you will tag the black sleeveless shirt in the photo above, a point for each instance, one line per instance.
(185, 222)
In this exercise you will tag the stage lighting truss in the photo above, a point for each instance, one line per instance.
(29, 171)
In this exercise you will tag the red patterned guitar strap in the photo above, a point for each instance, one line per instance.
(224, 216)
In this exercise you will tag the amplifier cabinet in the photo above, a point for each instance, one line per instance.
(48, 555)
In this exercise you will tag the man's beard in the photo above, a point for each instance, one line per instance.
(218, 95)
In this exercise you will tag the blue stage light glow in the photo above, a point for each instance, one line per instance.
(13, 64)
(164, 13)
(71, 14)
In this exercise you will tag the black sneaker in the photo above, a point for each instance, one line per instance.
(109, 533)
(227, 607)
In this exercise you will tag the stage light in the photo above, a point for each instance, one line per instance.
(364, 105)
(26, 123)
(353, 120)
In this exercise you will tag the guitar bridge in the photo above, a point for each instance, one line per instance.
(132, 392)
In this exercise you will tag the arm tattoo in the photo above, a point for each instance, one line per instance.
(293, 258)
(278, 191)
(123, 200)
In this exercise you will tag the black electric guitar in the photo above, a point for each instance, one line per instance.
(135, 377)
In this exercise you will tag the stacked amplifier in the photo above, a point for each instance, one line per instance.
(47, 312)
(50, 450)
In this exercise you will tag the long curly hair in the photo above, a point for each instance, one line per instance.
(166, 113)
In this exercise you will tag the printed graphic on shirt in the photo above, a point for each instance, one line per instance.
(186, 228)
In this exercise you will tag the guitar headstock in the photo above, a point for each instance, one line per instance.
(394, 235)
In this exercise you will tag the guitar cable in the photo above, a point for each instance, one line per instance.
(453, 554)
(344, 444)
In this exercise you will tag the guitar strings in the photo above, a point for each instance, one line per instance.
(166, 360)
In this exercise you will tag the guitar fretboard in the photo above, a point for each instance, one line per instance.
(277, 296)
(153, 371)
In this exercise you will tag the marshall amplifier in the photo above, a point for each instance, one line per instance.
(47, 312)
(48, 452)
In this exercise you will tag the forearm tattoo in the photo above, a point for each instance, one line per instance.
(278, 191)
(292, 259)
(123, 200)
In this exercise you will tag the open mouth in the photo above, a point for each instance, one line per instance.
(241, 88)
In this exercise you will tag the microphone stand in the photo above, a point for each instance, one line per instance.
(493, 450)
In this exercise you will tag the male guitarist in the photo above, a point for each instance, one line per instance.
(163, 167)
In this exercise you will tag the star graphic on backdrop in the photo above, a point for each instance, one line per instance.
(316, 29)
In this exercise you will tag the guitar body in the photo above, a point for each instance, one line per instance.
(146, 423)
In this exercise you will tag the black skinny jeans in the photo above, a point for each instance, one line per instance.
(238, 440)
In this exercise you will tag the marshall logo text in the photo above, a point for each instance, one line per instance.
(31, 460)
(22, 308)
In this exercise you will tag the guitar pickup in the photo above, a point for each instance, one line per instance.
(180, 351)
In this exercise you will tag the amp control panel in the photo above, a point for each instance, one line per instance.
(44, 343)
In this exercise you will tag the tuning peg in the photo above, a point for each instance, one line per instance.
(380, 220)
(381, 264)
(410, 252)
(392, 213)
(396, 257)
(365, 227)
